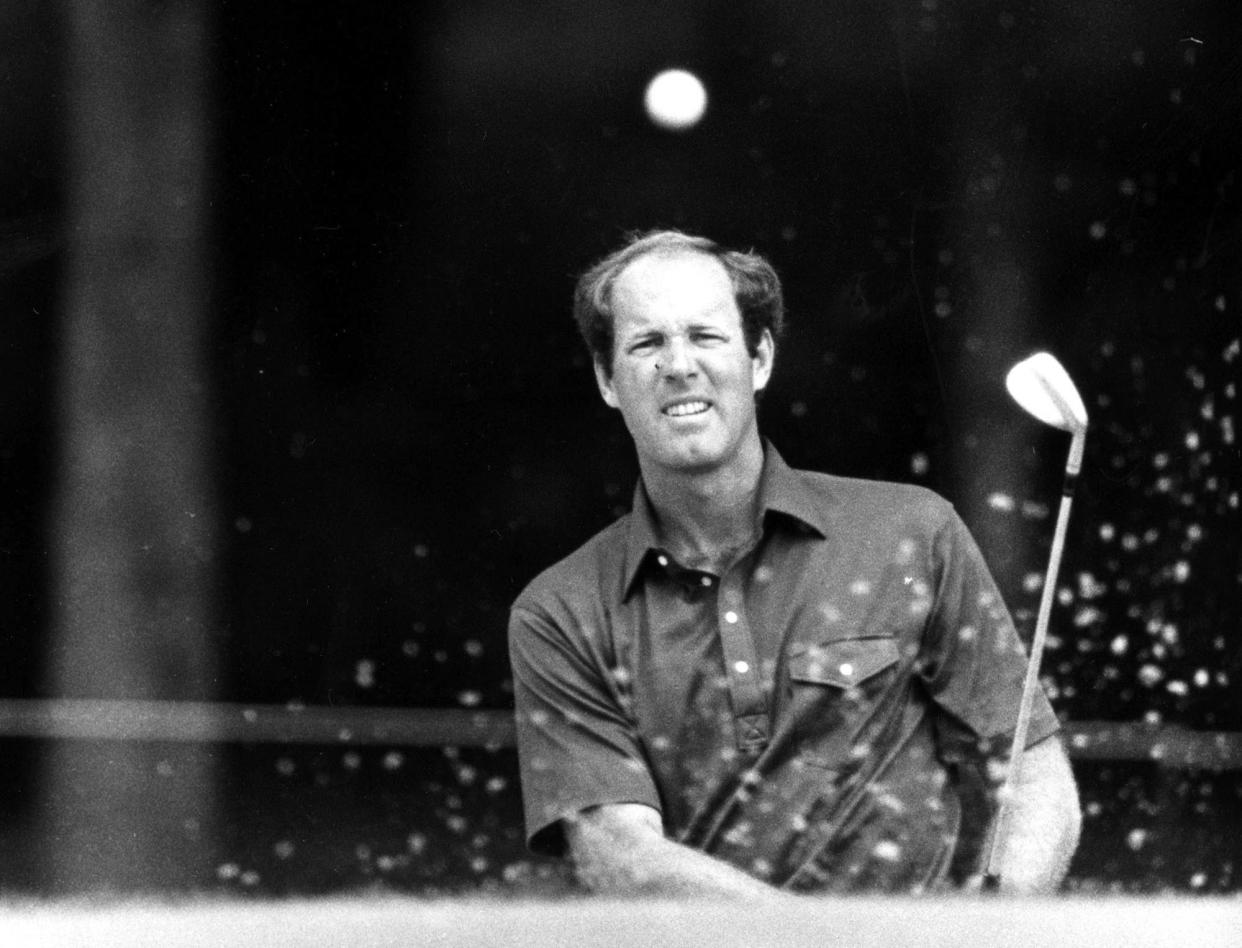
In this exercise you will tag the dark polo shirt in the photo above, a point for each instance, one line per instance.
(822, 715)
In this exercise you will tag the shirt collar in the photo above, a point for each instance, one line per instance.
(784, 490)
(781, 490)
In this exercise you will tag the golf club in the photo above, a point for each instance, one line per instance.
(1044, 389)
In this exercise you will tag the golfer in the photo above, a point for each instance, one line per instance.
(762, 680)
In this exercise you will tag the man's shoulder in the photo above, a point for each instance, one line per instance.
(871, 500)
(593, 567)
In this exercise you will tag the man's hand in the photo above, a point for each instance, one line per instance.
(1044, 823)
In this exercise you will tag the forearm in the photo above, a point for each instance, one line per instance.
(663, 868)
(1044, 823)
(612, 858)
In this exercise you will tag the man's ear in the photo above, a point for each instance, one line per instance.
(763, 359)
(604, 380)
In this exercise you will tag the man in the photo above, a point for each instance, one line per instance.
(763, 680)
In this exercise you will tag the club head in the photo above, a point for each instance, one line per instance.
(1042, 386)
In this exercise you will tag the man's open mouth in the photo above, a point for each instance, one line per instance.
(682, 409)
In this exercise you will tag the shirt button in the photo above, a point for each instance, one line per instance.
(731, 617)
(741, 667)
(847, 669)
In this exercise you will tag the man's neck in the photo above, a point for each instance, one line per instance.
(705, 519)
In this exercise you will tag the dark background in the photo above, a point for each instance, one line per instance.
(407, 428)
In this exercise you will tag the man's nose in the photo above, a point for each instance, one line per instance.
(678, 360)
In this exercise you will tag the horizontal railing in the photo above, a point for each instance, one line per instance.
(62, 718)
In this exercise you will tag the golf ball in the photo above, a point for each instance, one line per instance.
(675, 99)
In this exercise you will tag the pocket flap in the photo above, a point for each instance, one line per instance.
(844, 663)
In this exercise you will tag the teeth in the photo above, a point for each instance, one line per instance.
(686, 408)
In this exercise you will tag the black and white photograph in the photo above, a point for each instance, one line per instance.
(620, 472)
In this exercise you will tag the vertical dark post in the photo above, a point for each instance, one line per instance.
(995, 231)
(133, 519)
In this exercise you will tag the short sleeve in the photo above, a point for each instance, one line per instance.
(974, 661)
(576, 745)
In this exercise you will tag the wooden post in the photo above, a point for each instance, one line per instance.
(133, 521)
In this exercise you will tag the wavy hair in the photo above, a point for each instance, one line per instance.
(756, 288)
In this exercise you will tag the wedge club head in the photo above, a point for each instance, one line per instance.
(1043, 388)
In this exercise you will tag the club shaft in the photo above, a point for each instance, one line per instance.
(1001, 825)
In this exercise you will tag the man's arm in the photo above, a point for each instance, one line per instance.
(621, 849)
(1044, 822)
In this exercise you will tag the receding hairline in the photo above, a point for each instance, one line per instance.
(751, 278)
(666, 255)
(661, 253)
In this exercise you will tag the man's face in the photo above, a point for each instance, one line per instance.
(681, 373)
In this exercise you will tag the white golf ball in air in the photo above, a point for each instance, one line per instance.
(675, 99)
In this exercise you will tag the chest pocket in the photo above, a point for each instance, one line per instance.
(836, 691)
(845, 663)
